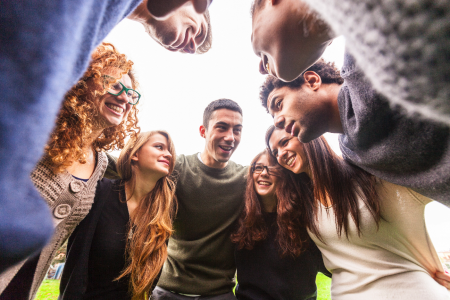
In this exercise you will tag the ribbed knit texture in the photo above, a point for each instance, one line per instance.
(403, 47)
(200, 253)
(69, 201)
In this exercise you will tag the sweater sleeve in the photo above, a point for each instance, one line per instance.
(390, 144)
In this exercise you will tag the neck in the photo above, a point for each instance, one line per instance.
(335, 124)
(269, 203)
(211, 162)
(144, 184)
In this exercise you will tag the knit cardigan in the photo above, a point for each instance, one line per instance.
(69, 200)
(403, 47)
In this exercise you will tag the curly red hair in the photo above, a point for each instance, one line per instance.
(75, 120)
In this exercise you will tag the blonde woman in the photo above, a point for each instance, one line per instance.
(117, 252)
(96, 115)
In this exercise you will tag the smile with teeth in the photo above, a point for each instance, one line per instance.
(290, 161)
(264, 183)
(114, 107)
(226, 148)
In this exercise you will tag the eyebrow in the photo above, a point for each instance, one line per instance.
(226, 124)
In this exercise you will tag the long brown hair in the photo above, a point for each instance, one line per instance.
(75, 120)
(291, 233)
(151, 223)
(336, 179)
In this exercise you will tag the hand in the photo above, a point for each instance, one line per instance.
(443, 278)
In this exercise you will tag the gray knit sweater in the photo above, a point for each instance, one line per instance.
(69, 201)
(403, 47)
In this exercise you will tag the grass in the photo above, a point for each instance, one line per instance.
(49, 289)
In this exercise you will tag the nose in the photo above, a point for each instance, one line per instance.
(279, 121)
(229, 137)
(265, 172)
(123, 97)
(191, 47)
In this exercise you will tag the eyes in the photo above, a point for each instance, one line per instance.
(225, 128)
(282, 144)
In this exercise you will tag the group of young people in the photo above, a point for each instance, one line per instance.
(151, 224)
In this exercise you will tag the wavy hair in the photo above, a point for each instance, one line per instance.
(291, 236)
(336, 179)
(75, 121)
(151, 224)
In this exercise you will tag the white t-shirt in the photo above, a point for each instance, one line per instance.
(392, 262)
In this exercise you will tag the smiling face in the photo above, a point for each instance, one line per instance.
(265, 184)
(112, 110)
(289, 152)
(184, 31)
(287, 37)
(222, 136)
(301, 112)
(154, 156)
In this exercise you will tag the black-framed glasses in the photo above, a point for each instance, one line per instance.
(116, 88)
(259, 168)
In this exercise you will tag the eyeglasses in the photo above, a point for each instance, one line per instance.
(116, 88)
(258, 169)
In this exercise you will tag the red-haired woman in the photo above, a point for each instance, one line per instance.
(275, 258)
(97, 114)
(117, 252)
(371, 233)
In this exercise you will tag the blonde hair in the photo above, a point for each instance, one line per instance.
(151, 224)
(75, 120)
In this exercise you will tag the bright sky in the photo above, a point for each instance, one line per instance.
(177, 87)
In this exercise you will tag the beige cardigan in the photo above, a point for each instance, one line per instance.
(69, 201)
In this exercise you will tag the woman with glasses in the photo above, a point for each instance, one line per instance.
(372, 233)
(97, 114)
(118, 250)
(275, 258)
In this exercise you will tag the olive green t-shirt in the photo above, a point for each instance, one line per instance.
(200, 253)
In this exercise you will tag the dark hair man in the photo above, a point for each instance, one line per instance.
(379, 139)
(46, 47)
(403, 47)
(210, 191)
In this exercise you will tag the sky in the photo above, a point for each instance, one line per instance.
(177, 87)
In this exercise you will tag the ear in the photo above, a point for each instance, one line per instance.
(202, 131)
(312, 80)
(135, 156)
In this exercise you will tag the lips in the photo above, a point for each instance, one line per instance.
(290, 161)
(226, 148)
(115, 108)
(164, 161)
(184, 42)
(264, 183)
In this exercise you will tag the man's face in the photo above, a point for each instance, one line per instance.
(300, 112)
(287, 37)
(222, 136)
(184, 31)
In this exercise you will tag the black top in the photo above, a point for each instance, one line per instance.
(107, 255)
(96, 250)
(263, 275)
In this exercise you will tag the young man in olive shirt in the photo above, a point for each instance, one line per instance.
(210, 192)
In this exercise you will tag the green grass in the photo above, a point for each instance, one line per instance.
(323, 287)
(49, 289)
